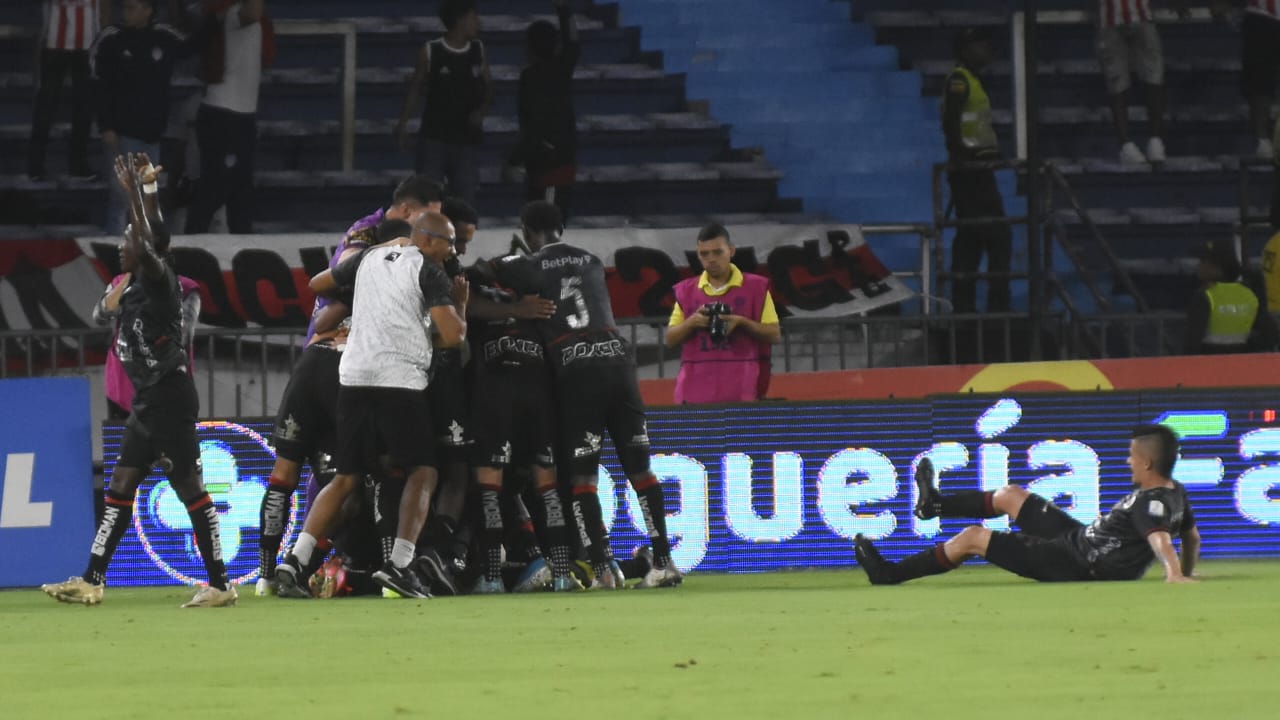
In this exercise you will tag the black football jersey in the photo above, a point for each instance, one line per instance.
(582, 329)
(1115, 546)
(504, 343)
(149, 337)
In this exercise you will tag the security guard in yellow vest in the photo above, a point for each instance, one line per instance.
(971, 136)
(1224, 316)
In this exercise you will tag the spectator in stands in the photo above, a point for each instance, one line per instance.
(453, 77)
(1129, 44)
(241, 43)
(1224, 317)
(548, 147)
(66, 35)
(1259, 62)
(726, 322)
(132, 64)
(971, 138)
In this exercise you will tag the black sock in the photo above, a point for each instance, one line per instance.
(653, 504)
(932, 561)
(590, 519)
(558, 538)
(967, 504)
(272, 516)
(204, 520)
(491, 535)
(386, 512)
(117, 515)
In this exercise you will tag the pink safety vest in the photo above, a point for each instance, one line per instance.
(737, 372)
(119, 387)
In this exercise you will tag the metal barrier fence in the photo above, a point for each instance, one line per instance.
(243, 371)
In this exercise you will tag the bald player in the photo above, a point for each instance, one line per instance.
(401, 294)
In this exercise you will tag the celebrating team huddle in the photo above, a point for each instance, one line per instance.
(420, 373)
(453, 420)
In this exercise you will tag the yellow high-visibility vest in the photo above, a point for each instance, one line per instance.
(977, 131)
(1232, 310)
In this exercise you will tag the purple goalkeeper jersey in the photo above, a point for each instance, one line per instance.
(360, 235)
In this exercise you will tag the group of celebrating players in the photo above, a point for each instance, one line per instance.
(450, 415)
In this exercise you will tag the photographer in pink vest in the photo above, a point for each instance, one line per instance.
(726, 322)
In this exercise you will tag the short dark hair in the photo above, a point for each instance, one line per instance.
(418, 188)
(459, 212)
(451, 11)
(389, 230)
(1222, 255)
(542, 216)
(966, 37)
(1165, 454)
(541, 39)
(711, 231)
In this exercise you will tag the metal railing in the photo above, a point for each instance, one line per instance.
(243, 371)
(1057, 185)
(347, 32)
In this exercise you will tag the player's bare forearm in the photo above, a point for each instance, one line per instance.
(139, 240)
(450, 323)
(1190, 552)
(323, 284)
(1162, 545)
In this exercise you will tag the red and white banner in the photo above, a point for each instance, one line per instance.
(262, 279)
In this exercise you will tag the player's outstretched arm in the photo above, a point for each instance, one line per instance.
(139, 239)
(323, 284)
(1162, 544)
(1190, 550)
(148, 178)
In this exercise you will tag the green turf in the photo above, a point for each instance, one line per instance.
(977, 643)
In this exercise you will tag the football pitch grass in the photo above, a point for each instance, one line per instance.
(977, 643)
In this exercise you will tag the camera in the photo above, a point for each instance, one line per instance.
(717, 313)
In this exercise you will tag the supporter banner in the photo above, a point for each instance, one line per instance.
(262, 279)
(918, 382)
(771, 486)
(46, 480)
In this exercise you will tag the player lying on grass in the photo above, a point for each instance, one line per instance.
(1051, 545)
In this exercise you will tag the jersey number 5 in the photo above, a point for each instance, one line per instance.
(571, 289)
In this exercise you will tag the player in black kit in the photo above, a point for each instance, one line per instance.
(161, 430)
(513, 419)
(1052, 546)
(306, 423)
(595, 385)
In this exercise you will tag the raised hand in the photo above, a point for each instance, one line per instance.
(124, 174)
(147, 173)
(461, 291)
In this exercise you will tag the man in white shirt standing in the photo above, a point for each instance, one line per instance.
(401, 294)
(226, 124)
